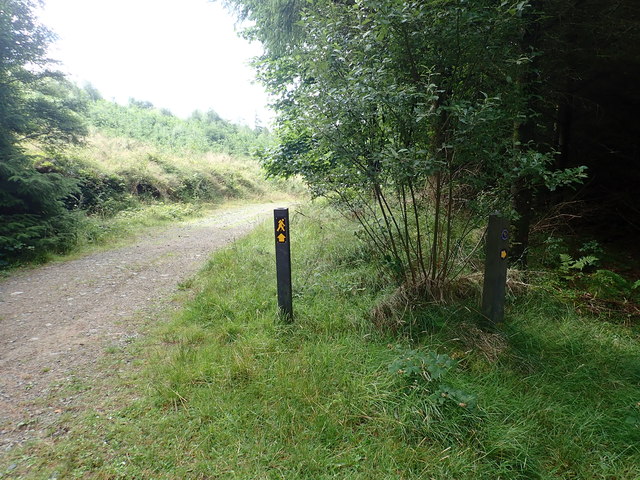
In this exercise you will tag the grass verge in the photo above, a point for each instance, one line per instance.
(224, 390)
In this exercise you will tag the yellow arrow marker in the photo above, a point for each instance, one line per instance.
(503, 254)
(281, 238)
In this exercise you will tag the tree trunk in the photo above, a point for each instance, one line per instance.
(525, 133)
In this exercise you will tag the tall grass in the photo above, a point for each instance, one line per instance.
(148, 170)
(230, 392)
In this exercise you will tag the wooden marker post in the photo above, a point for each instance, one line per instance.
(283, 262)
(495, 271)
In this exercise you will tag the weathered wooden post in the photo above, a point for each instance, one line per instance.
(283, 262)
(495, 271)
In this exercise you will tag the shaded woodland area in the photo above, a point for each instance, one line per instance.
(591, 67)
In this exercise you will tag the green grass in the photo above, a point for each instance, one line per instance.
(98, 230)
(228, 391)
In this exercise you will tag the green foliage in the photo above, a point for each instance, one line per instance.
(611, 286)
(570, 263)
(29, 236)
(403, 114)
(415, 117)
(39, 106)
(417, 366)
(201, 133)
(425, 372)
(537, 171)
(581, 280)
(569, 266)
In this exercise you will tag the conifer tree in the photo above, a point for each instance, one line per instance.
(37, 106)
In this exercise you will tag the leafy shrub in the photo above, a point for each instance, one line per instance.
(567, 261)
(100, 192)
(424, 372)
(570, 267)
(29, 237)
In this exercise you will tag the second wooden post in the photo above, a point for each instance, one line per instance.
(495, 271)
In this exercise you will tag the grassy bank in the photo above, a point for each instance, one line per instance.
(224, 390)
(111, 167)
(125, 185)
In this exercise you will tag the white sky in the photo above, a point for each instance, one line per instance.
(178, 54)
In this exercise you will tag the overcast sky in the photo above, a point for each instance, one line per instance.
(178, 54)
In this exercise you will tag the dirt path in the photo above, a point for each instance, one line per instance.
(57, 320)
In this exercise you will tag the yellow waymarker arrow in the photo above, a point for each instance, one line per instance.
(281, 238)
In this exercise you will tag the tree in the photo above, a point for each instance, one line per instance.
(394, 110)
(37, 106)
(405, 112)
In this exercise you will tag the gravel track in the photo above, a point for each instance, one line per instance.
(57, 320)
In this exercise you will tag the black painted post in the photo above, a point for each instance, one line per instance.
(283, 261)
(495, 271)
